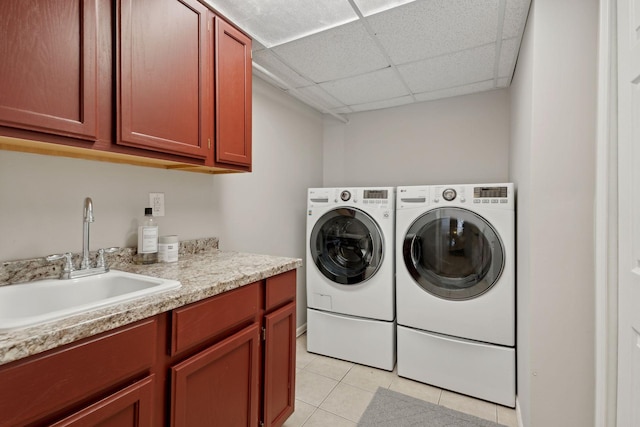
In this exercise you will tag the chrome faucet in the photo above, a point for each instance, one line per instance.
(87, 218)
(69, 271)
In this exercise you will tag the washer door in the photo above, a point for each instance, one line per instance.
(347, 246)
(453, 253)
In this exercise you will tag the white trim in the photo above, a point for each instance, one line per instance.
(606, 221)
(301, 330)
(519, 413)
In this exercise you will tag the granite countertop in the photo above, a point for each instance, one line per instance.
(202, 275)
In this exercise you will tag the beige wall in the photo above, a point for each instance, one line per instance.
(41, 197)
(41, 201)
(265, 211)
(450, 141)
(553, 165)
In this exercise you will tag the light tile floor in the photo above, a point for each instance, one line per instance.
(332, 392)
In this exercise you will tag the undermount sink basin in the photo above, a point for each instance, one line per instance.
(42, 301)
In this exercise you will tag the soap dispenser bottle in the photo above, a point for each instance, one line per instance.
(147, 239)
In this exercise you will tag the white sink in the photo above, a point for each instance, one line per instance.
(42, 301)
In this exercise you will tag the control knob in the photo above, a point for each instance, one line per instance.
(449, 194)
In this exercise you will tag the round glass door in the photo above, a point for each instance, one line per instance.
(453, 253)
(347, 246)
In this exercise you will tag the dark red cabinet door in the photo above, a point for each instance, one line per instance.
(232, 95)
(162, 86)
(219, 385)
(280, 365)
(130, 407)
(48, 66)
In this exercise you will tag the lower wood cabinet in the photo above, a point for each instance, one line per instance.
(48, 387)
(219, 386)
(246, 376)
(228, 360)
(130, 407)
(279, 365)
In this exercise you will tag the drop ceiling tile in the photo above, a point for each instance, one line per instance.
(276, 21)
(388, 103)
(269, 61)
(369, 7)
(514, 18)
(451, 70)
(508, 54)
(333, 54)
(375, 86)
(429, 28)
(316, 92)
(456, 91)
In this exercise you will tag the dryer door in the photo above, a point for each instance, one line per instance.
(453, 253)
(347, 246)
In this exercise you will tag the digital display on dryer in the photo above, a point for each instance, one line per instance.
(376, 194)
(482, 192)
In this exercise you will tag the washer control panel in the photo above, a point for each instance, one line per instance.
(379, 197)
(449, 194)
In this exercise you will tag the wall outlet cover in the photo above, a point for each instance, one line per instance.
(156, 201)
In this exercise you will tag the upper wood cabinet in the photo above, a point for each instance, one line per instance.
(48, 66)
(162, 79)
(232, 95)
(163, 83)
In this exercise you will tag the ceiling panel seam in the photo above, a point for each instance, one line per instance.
(313, 83)
(381, 48)
(299, 94)
(496, 66)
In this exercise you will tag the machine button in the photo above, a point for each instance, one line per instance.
(449, 194)
(477, 201)
(494, 200)
(504, 201)
(485, 200)
(345, 195)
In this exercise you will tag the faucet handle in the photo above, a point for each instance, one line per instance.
(68, 265)
(100, 262)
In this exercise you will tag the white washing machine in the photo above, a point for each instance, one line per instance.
(350, 275)
(455, 288)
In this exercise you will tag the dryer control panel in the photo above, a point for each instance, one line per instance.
(476, 195)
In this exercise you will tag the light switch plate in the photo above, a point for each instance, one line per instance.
(156, 201)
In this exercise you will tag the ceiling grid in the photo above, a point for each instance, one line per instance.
(345, 56)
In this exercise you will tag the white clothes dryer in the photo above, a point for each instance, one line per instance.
(455, 261)
(350, 274)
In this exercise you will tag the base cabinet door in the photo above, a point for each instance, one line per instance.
(279, 365)
(220, 385)
(130, 407)
(48, 66)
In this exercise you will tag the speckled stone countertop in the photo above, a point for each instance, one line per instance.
(204, 274)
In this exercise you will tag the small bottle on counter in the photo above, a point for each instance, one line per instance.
(147, 239)
(168, 248)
